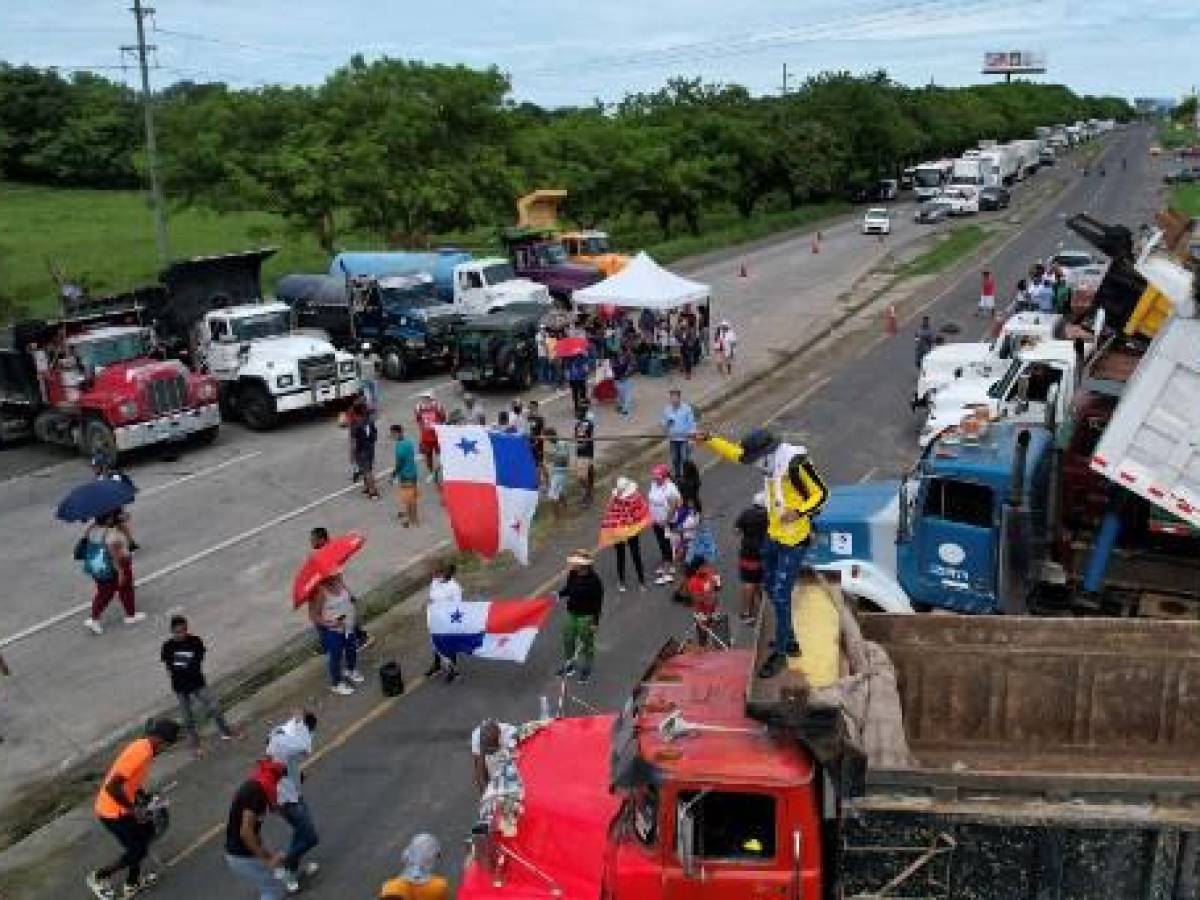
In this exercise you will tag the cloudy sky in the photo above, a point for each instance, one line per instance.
(572, 52)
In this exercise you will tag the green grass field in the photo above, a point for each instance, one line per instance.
(1175, 134)
(106, 239)
(949, 250)
(1186, 198)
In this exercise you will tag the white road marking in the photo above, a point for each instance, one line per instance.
(869, 474)
(796, 401)
(159, 488)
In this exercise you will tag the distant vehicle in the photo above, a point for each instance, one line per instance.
(1081, 267)
(929, 177)
(961, 202)
(887, 189)
(994, 198)
(932, 212)
(498, 349)
(1187, 175)
(908, 178)
(877, 221)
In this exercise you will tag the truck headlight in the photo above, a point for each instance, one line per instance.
(284, 381)
(348, 367)
(127, 410)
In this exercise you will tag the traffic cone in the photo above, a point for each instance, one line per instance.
(890, 326)
(994, 326)
(742, 271)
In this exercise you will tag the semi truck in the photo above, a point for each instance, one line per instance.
(399, 320)
(930, 177)
(959, 758)
(967, 174)
(94, 379)
(213, 314)
(438, 264)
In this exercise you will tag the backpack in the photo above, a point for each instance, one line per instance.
(97, 559)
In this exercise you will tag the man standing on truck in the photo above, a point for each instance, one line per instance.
(794, 493)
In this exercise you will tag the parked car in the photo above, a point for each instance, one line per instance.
(1081, 267)
(932, 212)
(994, 197)
(1183, 176)
(961, 203)
(877, 221)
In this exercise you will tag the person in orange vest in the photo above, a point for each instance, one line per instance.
(118, 807)
(794, 492)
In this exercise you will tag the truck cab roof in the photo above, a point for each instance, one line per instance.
(987, 459)
(250, 309)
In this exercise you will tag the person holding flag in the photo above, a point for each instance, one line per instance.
(429, 414)
(794, 493)
(627, 516)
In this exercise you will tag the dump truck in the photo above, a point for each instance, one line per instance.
(538, 254)
(956, 758)
(95, 379)
(590, 246)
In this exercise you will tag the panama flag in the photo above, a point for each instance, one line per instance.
(489, 629)
(490, 489)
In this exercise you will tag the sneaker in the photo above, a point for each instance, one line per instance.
(342, 689)
(93, 626)
(663, 579)
(565, 669)
(621, 587)
(773, 665)
(98, 886)
(135, 618)
(355, 676)
(452, 675)
(310, 869)
(793, 648)
(290, 882)
(434, 668)
(585, 676)
(365, 640)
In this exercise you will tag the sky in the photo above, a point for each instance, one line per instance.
(571, 53)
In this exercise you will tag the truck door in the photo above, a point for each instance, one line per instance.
(951, 560)
(727, 845)
(470, 290)
(221, 351)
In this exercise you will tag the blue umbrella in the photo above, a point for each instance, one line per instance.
(94, 499)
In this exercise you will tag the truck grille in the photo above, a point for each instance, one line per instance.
(318, 368)
(167, 395)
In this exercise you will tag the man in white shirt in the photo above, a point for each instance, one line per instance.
(488, 740)
(290, 744)
(444, 588)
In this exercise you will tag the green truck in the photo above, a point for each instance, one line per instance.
(498, 348)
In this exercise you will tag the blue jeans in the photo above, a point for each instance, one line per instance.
(304, 833)
(681, 452)
(625, 395)
(338, 647)
(781, 567)
(257, 873)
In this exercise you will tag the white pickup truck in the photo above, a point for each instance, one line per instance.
(981, 360)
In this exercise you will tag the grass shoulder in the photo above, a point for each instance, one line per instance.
(949, 249)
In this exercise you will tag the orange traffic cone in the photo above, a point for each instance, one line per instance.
(890, 326)
(742, 271)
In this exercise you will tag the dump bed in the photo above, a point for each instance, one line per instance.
(1152, 443)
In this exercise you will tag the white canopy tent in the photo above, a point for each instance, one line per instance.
(643, 284)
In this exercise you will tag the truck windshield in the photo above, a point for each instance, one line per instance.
(928, 177)
(498, 273)
(416, 297)
(1000, 388)
(101, 352)
(551, 255)
(595, 245)
(260, 326)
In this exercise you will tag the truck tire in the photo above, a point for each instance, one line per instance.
(98, 438)
(206, 437)
(524, 377)
(256, 407)
(395, 366)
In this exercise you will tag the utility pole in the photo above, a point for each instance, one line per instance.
(156, 198)
(785, 79)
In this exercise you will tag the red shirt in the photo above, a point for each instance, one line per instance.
(429, 413)
(702, 587)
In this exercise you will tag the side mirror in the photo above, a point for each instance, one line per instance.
(685, 840)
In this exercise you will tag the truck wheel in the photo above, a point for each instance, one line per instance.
(524, 378)
(206, 437)
(257, 407)
(395, 367)
(98, 439)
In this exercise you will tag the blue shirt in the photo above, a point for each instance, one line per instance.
(406, 461)
(680, 422)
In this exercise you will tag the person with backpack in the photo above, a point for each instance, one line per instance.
(107, 560)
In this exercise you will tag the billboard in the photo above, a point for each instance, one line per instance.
(1014, 62)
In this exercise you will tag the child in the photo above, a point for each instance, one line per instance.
(183, 655)
(701, 584)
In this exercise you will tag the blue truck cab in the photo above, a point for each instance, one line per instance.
(965, 530)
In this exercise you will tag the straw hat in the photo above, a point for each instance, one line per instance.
(581, 558)
(625, 488)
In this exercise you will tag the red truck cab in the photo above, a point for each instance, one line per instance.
(681, 796)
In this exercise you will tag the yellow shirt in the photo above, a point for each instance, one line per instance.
(436, 888)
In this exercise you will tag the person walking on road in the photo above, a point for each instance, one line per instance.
(623, 368)
(444, 588)
(558, 459)
(290, 744)
(724, 345)
(429, 414)
(332, 614)
(183, 655)
(119, 806)
(364, 433)
(406, 477)
(584, 596)
(679, 422)
(664, 499)
(794, 493)
(417, 880)
(104, 550)
(924, 340)
(752, 524)
(987, 295)
(577, 375)
(487, 740)
(585, 452)
(248, 858)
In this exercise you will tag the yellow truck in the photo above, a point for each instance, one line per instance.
(539, 209)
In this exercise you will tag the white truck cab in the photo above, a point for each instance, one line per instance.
(486, 285)
(265, 368)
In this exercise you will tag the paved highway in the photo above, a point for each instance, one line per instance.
(393, 767)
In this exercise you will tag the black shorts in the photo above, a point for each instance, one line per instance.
(750, 571)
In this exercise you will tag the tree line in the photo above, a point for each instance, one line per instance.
(407, 150)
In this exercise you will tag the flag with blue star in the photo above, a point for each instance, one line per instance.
(489, 629)
(489, 489)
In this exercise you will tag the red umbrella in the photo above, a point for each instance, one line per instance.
(570, 346)
(322, 563)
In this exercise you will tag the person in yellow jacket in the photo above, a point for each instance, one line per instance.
(795, 491)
